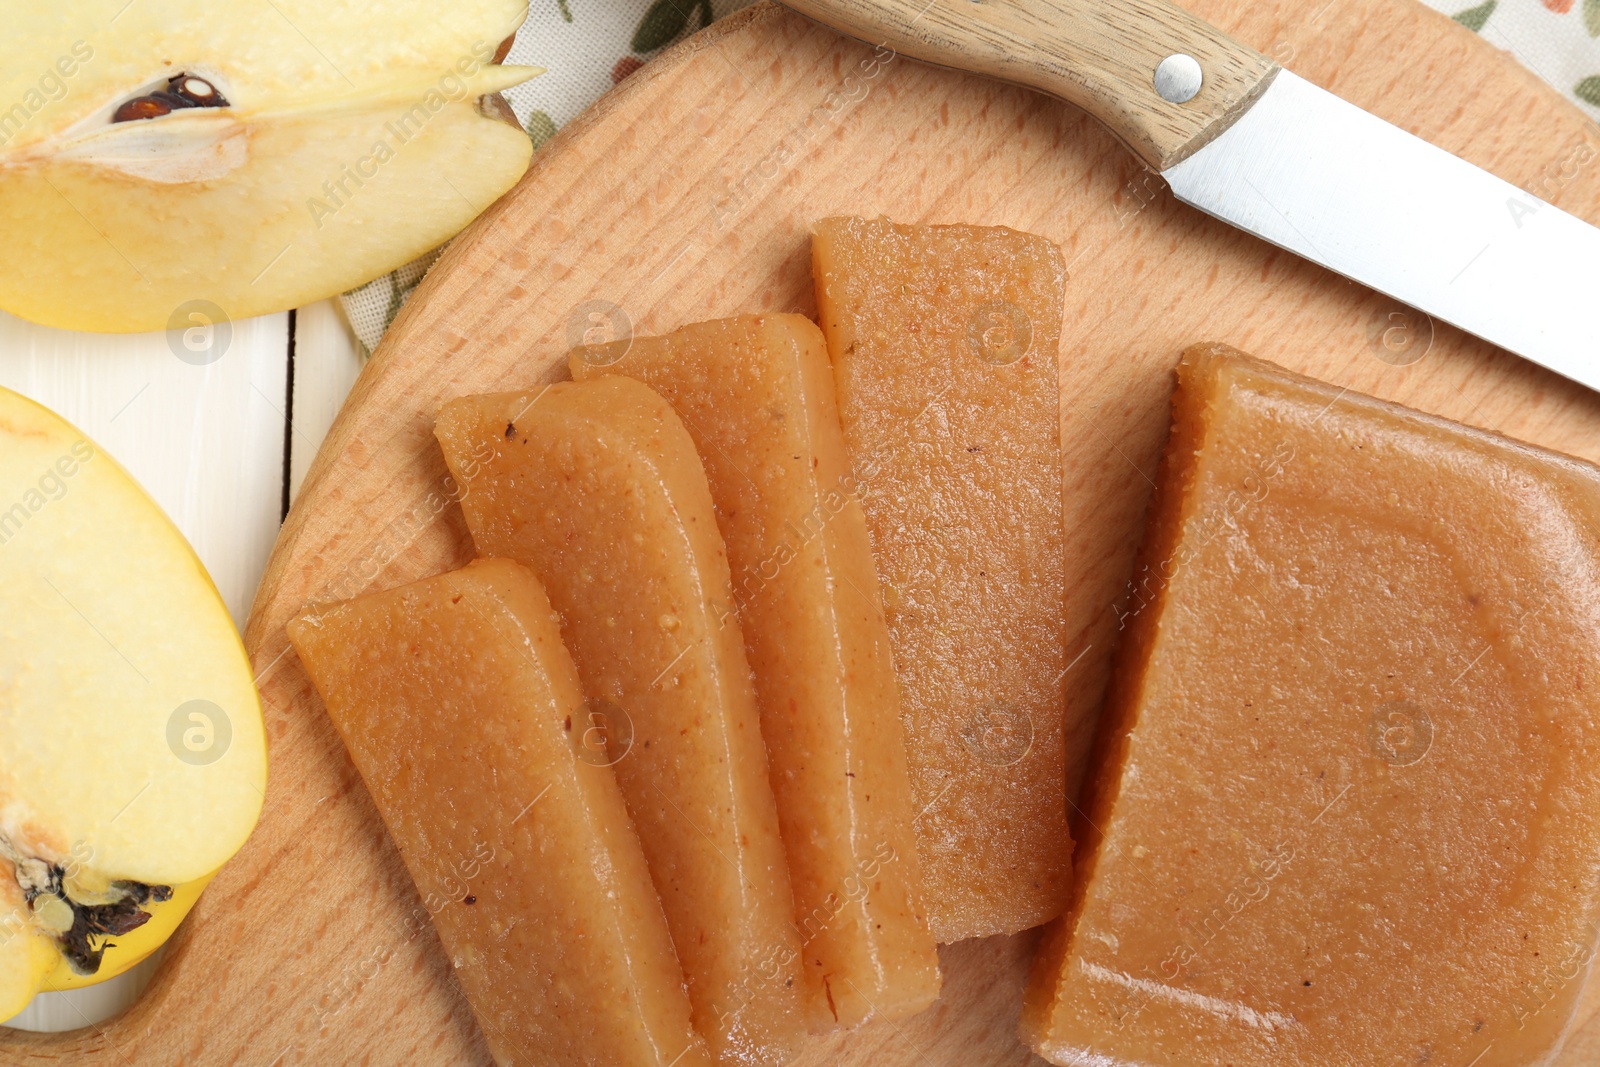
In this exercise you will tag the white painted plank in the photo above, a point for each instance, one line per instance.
(201, 427)
(327, 359)
(206, 441)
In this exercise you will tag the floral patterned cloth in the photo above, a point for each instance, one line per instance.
(587, 46)
(1559, 40)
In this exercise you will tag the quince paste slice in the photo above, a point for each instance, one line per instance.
(1346, 812)
(756, 394)
(462, 711)
(944, 347)
(596, 485)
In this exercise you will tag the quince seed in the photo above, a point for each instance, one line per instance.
(197, 91)
(142, 107)
(182, 91)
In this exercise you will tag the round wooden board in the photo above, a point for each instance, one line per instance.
(688, 193)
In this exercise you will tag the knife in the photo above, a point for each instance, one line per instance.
(1249, 142)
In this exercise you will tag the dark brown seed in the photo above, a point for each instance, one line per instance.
(142, 107)
(173, 100)
(198, 91)
(182, 91)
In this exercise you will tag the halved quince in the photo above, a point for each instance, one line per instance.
(132, 748)
(254, 155)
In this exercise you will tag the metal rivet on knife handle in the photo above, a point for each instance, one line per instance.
(1097, 54)
(1179, 78)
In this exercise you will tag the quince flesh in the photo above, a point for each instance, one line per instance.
(357, 134)
(132, 747)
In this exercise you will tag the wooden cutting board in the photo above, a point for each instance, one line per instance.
(687, 194)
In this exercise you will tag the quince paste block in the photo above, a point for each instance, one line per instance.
(1351, 770)
(756, 394)
(463, 713)
(944, 345)
(597, 487)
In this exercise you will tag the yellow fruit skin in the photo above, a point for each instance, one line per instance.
(19, 986)
(130, 950)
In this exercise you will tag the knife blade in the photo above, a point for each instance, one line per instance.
(1330, 182)
(1256, 146)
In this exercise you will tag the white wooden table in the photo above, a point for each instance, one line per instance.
(221, 439)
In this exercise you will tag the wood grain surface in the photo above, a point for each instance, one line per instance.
(687, 194)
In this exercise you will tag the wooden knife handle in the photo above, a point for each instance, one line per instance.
(1101, 55)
